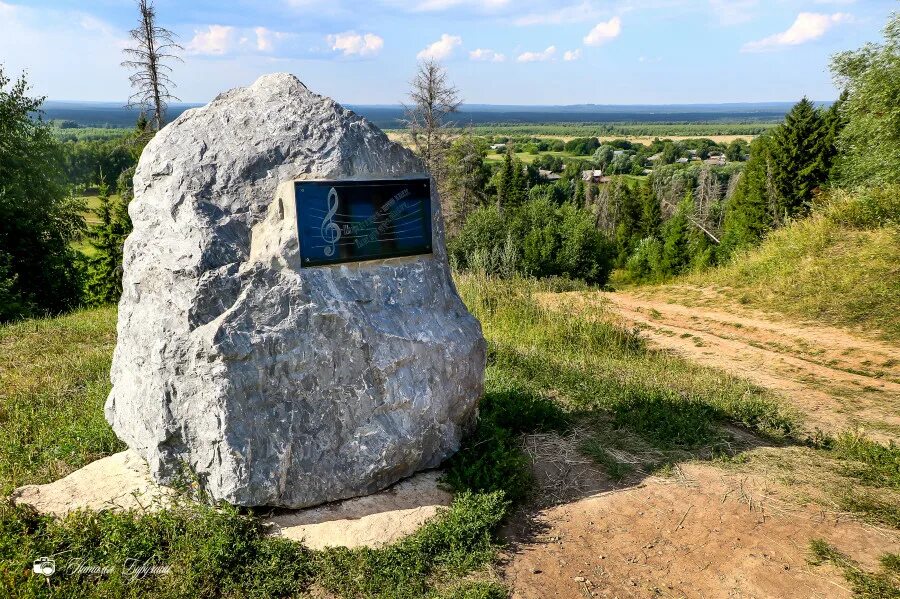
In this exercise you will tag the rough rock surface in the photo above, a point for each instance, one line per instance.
(280, 385)
(122, 482)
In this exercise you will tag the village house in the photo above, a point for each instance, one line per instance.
(594, 176)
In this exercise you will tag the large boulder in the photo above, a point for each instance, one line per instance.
(275, 384)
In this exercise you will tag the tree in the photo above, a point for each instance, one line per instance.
(147, 58)
(799, 159)
(38, 219)
(870, 143)
(651, 214)
(434, 99)
(511, 181)
(676, 251)
(748, 217)
(737, 150)
(107, 236)
(466, 179)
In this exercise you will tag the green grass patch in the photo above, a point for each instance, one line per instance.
(593, 367)
(865, 585)
(54, 379)
(839, 266)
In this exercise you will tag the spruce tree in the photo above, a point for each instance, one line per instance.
(651, 213)
(800, 161)
(107, 236)
(676, 251)
(747, 215)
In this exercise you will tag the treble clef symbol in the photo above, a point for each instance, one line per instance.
(330, 231)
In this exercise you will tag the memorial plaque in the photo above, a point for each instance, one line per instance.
(352, 221)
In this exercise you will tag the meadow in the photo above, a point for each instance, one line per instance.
(549, 371)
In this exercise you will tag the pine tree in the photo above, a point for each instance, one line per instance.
(799, 159)
(628, 227)
(107, 236)
(676, 251)
(651, 212)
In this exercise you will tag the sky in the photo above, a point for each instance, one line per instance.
(535, 52)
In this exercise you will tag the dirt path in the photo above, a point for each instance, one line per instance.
(711, 530)
(837, 380)
(706, 533)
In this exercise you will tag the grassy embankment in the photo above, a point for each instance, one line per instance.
(839, 266)
(548, 371)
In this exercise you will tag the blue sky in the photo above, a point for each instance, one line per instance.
(496, 51)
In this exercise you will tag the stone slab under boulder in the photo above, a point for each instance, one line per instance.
(280, 385)
(119, 482)
(122, 482)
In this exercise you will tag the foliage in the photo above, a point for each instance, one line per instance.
(799, 153)
(837, 266)
(540, 238)
(747, 217)
(870, 143)
(865, 585)
(466, 179)
(38, 218)
(493, 459)
(103, 283)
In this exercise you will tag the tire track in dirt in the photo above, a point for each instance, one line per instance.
(704, 534)
(835, 379)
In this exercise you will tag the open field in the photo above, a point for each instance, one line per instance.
(400, 136)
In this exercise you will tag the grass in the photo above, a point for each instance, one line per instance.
(839, 266)
(591, 366)
(54, 375)
(865, 585)
(55, 379)
(549, 370)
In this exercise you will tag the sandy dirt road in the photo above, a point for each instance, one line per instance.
(712, 531)
(836, 379)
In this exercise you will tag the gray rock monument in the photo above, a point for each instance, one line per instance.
(278, 383)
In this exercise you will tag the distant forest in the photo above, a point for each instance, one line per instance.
(110, 114)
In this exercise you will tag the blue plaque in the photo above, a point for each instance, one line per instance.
(352, 221)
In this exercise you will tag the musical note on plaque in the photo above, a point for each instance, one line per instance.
(351, 221)
(331, 231)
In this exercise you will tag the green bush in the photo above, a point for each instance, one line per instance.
(538, 238)
(492, 458)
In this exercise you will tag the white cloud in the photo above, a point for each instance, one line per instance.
(265, 39)
(571, 55)
(486, 55)
(442, 48)
(547, 54)
(575, 13)
(733, 12)
(356, 44)
(604, 32)
(806, 28)
(215, 40)
(439, 5)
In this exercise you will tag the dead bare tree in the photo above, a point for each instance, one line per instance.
(434, 99)
(152, 48)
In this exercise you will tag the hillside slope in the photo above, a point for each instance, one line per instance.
(840, 266)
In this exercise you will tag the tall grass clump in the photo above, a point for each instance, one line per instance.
(54, 379)
(594, 367)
